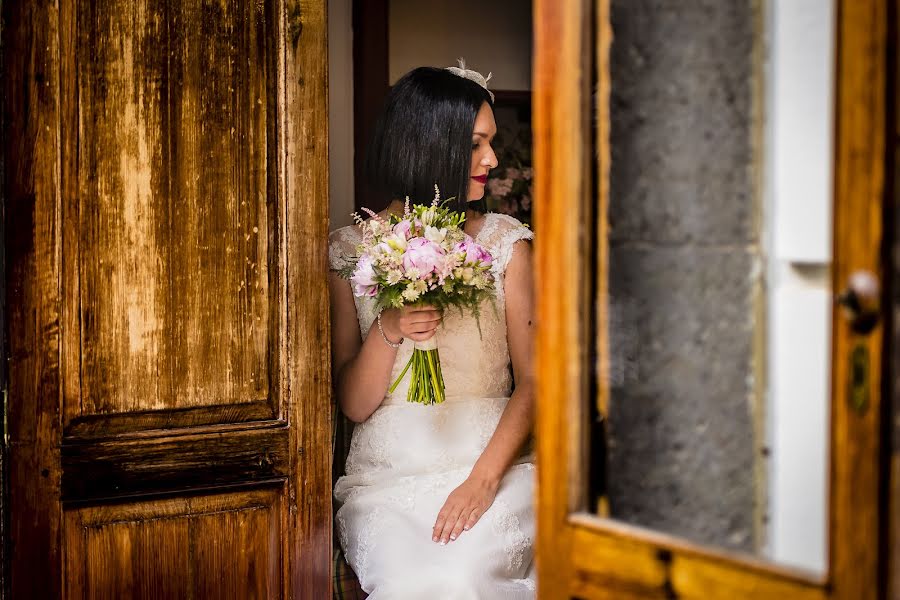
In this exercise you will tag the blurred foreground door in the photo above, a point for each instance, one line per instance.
(166, 218)
(582, 554)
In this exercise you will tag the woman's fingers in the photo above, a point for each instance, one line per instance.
(449, 524)
(473, 518)
(424, 326)
(423, 316)
(444, 517)
(459, 525)
(421, 337)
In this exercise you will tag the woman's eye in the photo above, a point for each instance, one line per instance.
(474, 145)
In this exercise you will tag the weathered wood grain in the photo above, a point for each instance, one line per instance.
(221, 155)
(306, 199)
(223, 546)
(166, 187)
(31, 191)
(122, 255)
(174, 202)
(150, 422)
(103, 471)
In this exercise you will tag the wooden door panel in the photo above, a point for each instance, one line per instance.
(169, 399)
(223, 200)
(201, 547)
(174, 264)
(121, 144)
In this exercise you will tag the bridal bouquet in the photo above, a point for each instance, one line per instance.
(422, 256)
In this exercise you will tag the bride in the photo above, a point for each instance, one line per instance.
(437, 501)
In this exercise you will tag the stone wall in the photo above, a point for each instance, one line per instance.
(684, 269)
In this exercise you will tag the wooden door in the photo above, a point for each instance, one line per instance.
(166, 214)
(582, 555)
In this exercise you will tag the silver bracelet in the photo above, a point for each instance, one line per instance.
(384, 337)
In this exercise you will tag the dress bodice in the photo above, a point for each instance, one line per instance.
(473, 351)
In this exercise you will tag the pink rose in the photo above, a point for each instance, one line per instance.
(423, 255)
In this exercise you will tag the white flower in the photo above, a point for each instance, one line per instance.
(395, 242)
(428, 216)
(411, 294)
(434, 234)
(394, 276)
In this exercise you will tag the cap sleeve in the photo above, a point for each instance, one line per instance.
(342, 247)
(504, 232)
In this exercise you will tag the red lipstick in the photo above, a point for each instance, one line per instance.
(482, 179)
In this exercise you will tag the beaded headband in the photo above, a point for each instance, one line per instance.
(471, 75)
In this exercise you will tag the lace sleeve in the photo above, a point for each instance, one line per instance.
(341, 247)
(507, 240)
(499, 236)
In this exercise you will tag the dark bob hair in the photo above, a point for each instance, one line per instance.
(424, 136)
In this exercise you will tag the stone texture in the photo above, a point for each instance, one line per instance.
(681, 451)
(681, 106)
(684, 269)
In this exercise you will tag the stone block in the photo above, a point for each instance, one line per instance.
(681, 437)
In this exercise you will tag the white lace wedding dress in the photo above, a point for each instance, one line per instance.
(406, 459)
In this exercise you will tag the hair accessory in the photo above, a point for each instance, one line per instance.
(471, 75)
(384, 337)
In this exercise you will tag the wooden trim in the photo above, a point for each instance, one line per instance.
(559, 257)
(859, 195)
(370, 86)
(105, 471)
(580, 554)
(31, 84)
(627, 557)
(308, 372)
(98, 427)
(890, 510)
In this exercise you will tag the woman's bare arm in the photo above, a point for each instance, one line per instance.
(361, 369)
(518, 417)
(468, 502)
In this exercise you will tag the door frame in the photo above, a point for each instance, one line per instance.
(579, 554)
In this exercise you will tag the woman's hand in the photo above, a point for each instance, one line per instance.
(417, 323)
(463, 508)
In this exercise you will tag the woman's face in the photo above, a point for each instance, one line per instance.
(483, 157)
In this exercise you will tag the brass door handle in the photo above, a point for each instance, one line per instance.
(861, 301)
